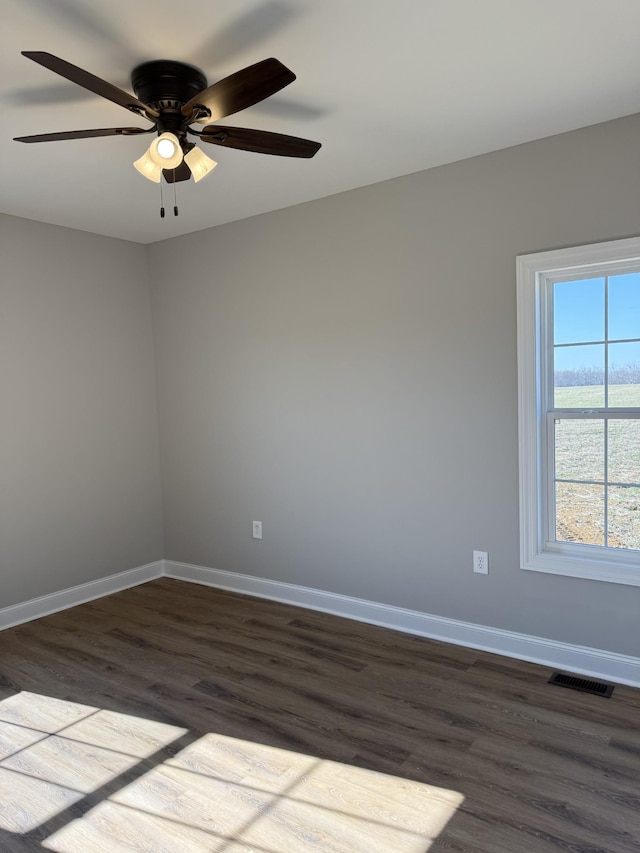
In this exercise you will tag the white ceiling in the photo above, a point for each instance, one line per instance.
(388, 88)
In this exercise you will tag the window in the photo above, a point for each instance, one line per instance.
(579, 411)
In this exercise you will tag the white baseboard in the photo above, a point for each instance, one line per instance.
(47, 604)
(596, 663)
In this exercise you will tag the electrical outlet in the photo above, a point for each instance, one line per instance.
(257, 530)
(481, 562)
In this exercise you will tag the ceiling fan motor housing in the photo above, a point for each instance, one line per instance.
(166, 85)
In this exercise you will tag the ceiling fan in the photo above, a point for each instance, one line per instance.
(174, 96)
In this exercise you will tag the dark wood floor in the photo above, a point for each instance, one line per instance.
(472, 751)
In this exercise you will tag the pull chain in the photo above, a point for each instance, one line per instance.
(175, 197)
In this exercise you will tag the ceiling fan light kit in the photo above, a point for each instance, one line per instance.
(173, 96)
(199, 163)
(148, 168)
(165, 151)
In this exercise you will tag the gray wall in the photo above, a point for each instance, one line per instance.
(80, 486)
(345, 371)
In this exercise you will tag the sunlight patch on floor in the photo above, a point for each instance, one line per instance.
(218, 794)
(53, 753)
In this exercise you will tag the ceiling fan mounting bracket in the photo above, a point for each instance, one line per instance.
(211, 133)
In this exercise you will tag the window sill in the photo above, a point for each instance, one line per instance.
(590, 568)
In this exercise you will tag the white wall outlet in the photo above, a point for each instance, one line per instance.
(257, 530)
(481, 562)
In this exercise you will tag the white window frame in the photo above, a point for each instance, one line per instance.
(534, 272)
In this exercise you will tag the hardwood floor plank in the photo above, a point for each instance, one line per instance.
(176, 717)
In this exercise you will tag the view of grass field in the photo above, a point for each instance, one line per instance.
(582, 514)
(592, 396)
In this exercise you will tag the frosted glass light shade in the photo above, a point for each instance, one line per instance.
(165, 151)
(199, 164)
(148, 168)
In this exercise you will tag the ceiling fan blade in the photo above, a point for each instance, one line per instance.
(82, 134)
(241, 90)
(180, 173)
(260, 141)
(89, 81)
